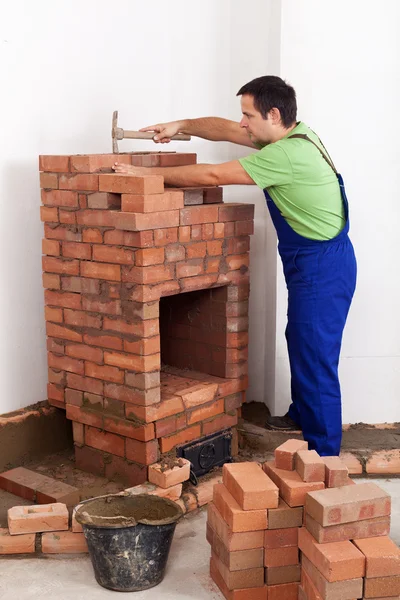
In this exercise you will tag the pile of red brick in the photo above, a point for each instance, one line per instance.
(261, 518)
(41, 528)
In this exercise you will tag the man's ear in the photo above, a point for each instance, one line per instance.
(275, 115)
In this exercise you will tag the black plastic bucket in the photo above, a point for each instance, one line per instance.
(129, 538)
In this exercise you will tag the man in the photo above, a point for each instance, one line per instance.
(308, 206)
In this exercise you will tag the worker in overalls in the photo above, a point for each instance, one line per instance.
(307, 202)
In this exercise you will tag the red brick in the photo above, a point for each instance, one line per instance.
(34, 486)
(235, 212)
(382, 586)
(64, 363)
(106, 307)
(60, 198)
(259, 593)
(105, 341)
(148, 275)
(78, 432)
(184, 234)
(250, 486)
(104, 201)
(59, 265)
(194, 215)
(149, 256)
(85, 384)
(345, 590)
(235, 517)
(310, 591)
(336, 561)
(49, 181)
(235, 262)
(76, 250)
(144, 453)
(55, 392)
(382, 556)
(347, 504)
(54, 346)
(79, 318)
(108, 442)
(384, 462)
(281, 557)
(81, 285)
(234, 561)
(84, 352)
(62, 232)
(35, 519)
(133, 396)
(170, 159)
(133, 362)
(147, 328)
(53, 314)
(196, 232)
(92, 163)
(97, 218)
(286, 452)
(140, 239)
(168, 477)
(237, 245)
(57, 331)
(190, 268)
(219, 423)
(170, 425)
(336, 472)
(65, 542)
(80, 182)
(284, 516)
(222, 230)
(310, 466)
(55, 163)
(244, 228)
(145, 221)
(49, 215)
(206, 412)
(113, 254)
(104, 372)
(233, 541)
(186, 435)
(67, 217)
(62, 299)
(198, 394)
(348, 531)
(281, 538)
(196, 250)
(16, 544)
(292, 489)
(285, 591)
(101, 271)
(281, 575)
(152, 203)
(51, 247)
(212, 195)
(84, 415)
(239, 579)
(136, 431)
(127, 184)
(90, 460)
(93, 236)
(143, 346)
(207, 231)
(197, 283)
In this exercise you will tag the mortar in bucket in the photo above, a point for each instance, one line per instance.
(129, 538)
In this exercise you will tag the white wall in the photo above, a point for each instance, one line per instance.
(343, 58)
(65, 67)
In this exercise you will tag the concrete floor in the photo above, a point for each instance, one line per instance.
(60, 578)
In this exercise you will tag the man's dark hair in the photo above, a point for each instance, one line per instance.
(272, 92)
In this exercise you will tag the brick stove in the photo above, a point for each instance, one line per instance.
(146, 294)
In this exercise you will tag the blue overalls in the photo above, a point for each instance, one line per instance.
(320, 278)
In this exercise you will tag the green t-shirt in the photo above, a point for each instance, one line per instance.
(301, 183)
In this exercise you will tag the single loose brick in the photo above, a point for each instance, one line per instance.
(250, 486)
(55, 163)
(234, 561)
(281, 557)
(258, 593)
(233, 541)
(152, 203)
(336, 590)
(382, 556)
(285, 516)
(382, 587)
(168, 477)
(35, 519)
(281, 538)
(144, 221)
(348, 531)
(195, 215)
(239, 579)
(336, 472)
(28, 484)
(128, 184)
(286, 452)
(64, 542)
(348, 504)
(280, 575)
(16, 544)
(336, 561)
(235, 212)
(236, 518)
(291, 487)
(310, 466)
(285, 591)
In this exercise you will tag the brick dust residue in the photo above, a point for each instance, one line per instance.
(127, 511)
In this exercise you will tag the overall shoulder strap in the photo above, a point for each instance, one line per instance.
(326, 157)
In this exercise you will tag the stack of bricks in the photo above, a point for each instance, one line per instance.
(44, 528)
(346, 552)
(253, 537)
(116, 248)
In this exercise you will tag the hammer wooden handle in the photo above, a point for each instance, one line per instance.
(121, 134)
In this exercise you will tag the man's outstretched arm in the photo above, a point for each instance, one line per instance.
(229, 173)
(214, 129)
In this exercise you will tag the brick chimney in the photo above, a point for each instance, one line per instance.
(146, 294)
